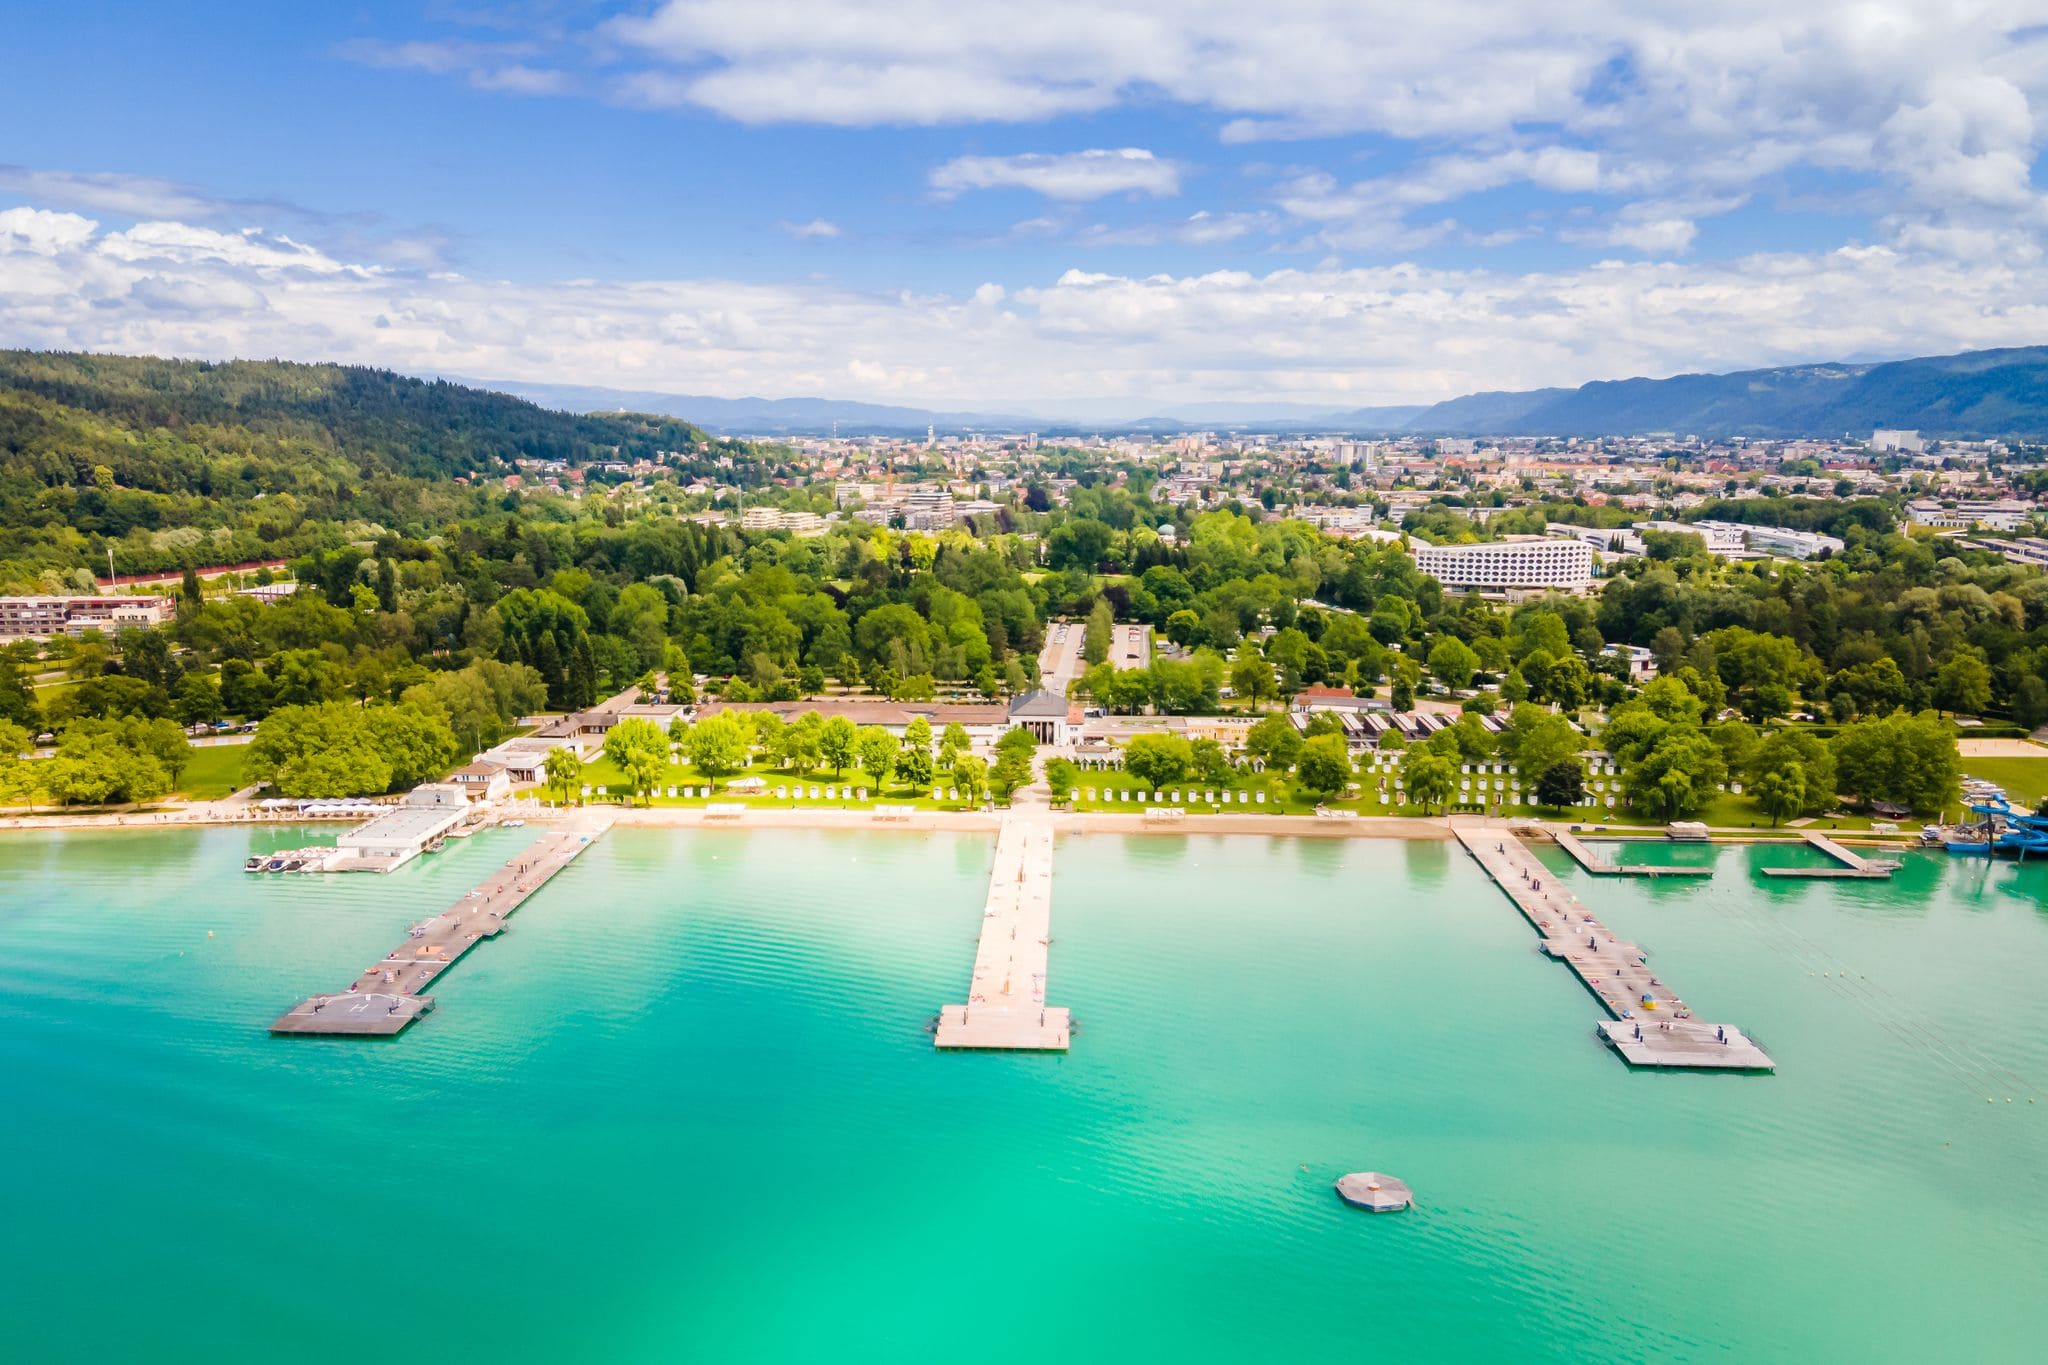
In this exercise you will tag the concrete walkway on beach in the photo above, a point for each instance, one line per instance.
(1006, 1006)
(1615, 970)
(386, 997)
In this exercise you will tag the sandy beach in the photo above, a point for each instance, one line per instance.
(789, 817)
(2000, 748)
(786, 817)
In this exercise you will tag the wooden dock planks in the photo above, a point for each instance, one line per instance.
(1006, 1007)
(388, 997)
(1854, 866)
(1602, 867)
(1613, 969)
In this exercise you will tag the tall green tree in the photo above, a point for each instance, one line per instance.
(718, 745)
(1099, 632)
(1325, 765)
(563, 768)
(639, 750)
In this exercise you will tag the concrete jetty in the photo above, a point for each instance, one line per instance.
(387, 997)
(1613, 969)
(1602, 867)
(1854, 866)
(1006, 1006)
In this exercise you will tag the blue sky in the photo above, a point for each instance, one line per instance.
(1052, 204)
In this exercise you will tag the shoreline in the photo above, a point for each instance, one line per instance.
(966, 822)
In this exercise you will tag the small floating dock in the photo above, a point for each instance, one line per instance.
(1659, 1033)
(1602, 867)
(1854, 866)
(1006, 1007)
(387, 997)
(1375, 1193)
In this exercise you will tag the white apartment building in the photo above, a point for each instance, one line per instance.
(800, 524)
(44, 617)
(1908, 441)
(928, 510)
(2003, 514)
(1723, 537)
(1527, 562)
(1779, 540)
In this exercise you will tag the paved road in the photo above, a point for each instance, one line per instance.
(1059, 663)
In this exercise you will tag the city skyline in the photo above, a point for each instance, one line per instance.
(1042, 206)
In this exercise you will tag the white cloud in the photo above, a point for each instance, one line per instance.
(182, 243)
(816, 230)
(43, 231)
(1933, 99)
(1073, 176)
(1651, 236)
(137, 196)
(505, 66)
(1323, 334)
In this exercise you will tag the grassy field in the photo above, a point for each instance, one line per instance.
(2025, 779)
(1116, 790)
(213, 771)
(602, 773)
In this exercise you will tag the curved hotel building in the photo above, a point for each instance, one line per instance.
(1500, 565)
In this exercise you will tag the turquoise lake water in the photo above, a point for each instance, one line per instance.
(687, 1109)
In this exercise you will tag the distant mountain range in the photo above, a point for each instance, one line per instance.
(1975, 394)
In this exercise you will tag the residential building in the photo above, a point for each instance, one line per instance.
(45, 617)
(483, 781)
(1642, 665)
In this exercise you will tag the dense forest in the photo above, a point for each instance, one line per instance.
(172, 462)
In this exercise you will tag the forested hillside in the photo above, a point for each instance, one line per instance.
(181, 461)
(1977, 393)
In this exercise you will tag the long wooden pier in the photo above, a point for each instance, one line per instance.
(1006, 1006)
(387, 997)
(1663, 1034)
(1854, 866)
(1602, 867)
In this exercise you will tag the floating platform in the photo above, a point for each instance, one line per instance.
(1375, 1193)
(387, 998)
(1616, 971)
(1006, 1007)
(1854, 866)
(1602, 867)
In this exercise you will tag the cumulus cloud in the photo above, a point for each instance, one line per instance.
(1324, 334)
(1933, 99)
(42, 231)
(1073, 176)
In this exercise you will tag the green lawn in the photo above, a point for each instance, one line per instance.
(1115, 791)
(2025, 779)
(213, 771)
(602, 773)
(1727, 810)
